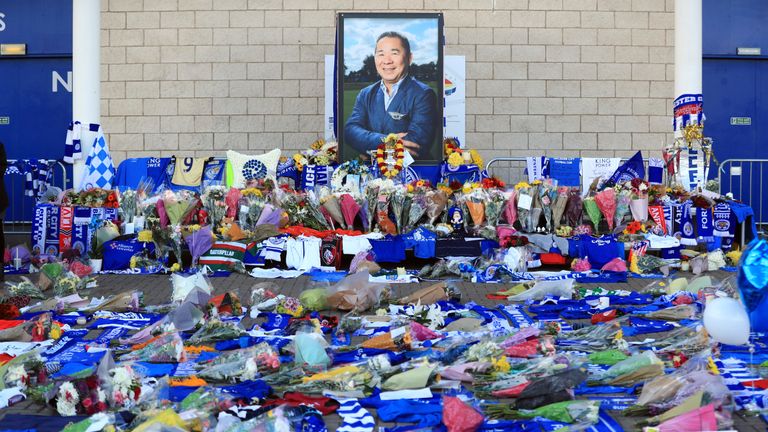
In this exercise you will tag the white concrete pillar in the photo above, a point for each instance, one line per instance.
(688, 48)
(86, 74)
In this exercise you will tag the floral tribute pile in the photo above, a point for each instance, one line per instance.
(673, 355)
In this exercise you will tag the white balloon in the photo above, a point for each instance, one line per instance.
(726, 320)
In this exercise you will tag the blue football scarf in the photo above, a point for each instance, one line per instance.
(640, 326)
(361, 354)
(276, 321)
(633, 298)
(109, 335)
(70, 318)
(354, 417)
(722, 220)
(584, 389)
(424, 414)
(77, 353)
(257, 389)
(157, 369)
(614, 403)
(704, 224)
(127, 320)
(68, 339)
(516, 315)
(597, 276)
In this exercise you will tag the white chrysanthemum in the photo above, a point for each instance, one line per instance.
(66, 403)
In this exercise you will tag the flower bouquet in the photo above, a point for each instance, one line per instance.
(303, 211)
(547, 196)
(436, 200)
(330, 203)
(165, 348)
(103, 231)
(574, 210)
(216, 330)
(475, 202)
(593, 211)
(213, 201)
(623, 201)
(640, 198)
(251, 205)
(83, 396)
(24, 288)
(398, 201)
(128, 205)
(418, 199)
(558, 206)
(350, 208)
(232, 199)
(537, 208)
(606, 202)
(524, 204)
(242, 365)
(125, 387)
(66, 285)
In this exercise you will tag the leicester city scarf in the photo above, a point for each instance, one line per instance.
(686, 224)
(704, 227)
(722, 221)
(73, 148)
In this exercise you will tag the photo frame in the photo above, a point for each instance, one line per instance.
(372, 52)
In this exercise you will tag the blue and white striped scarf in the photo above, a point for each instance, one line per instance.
(354, 417)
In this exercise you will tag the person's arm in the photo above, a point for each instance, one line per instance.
(356, 131)
(421, 129)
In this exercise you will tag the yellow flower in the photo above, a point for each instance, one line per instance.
(521, 185)
(455, 160)
(134, 262)
(501, 365)
(55, 332)
(317, 145)
(145, 236)
(476, 158)
(175, 267)
(467, 188)
(410, 188)
(393, 137)
(536, 182)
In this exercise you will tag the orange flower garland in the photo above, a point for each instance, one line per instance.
(399, 156)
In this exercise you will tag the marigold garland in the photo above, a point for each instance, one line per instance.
(399, 156)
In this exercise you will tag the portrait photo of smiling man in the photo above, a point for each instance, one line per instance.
(393, 88)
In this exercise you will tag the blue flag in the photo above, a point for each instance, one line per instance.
(632, 168)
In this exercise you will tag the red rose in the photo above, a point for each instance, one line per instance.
(92, 383)
(101, 406)
(138, 393)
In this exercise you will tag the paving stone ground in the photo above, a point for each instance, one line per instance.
(157, 290)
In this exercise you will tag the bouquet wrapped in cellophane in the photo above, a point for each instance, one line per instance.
(242, 365)
(165, 348)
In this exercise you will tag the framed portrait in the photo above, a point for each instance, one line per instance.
(389, 76)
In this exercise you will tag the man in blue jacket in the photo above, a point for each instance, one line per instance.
(397, 104)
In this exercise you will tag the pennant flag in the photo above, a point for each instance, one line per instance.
(632, 168)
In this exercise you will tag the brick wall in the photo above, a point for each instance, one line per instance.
(561, 77)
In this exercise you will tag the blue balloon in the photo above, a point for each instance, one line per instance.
(753, 274)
